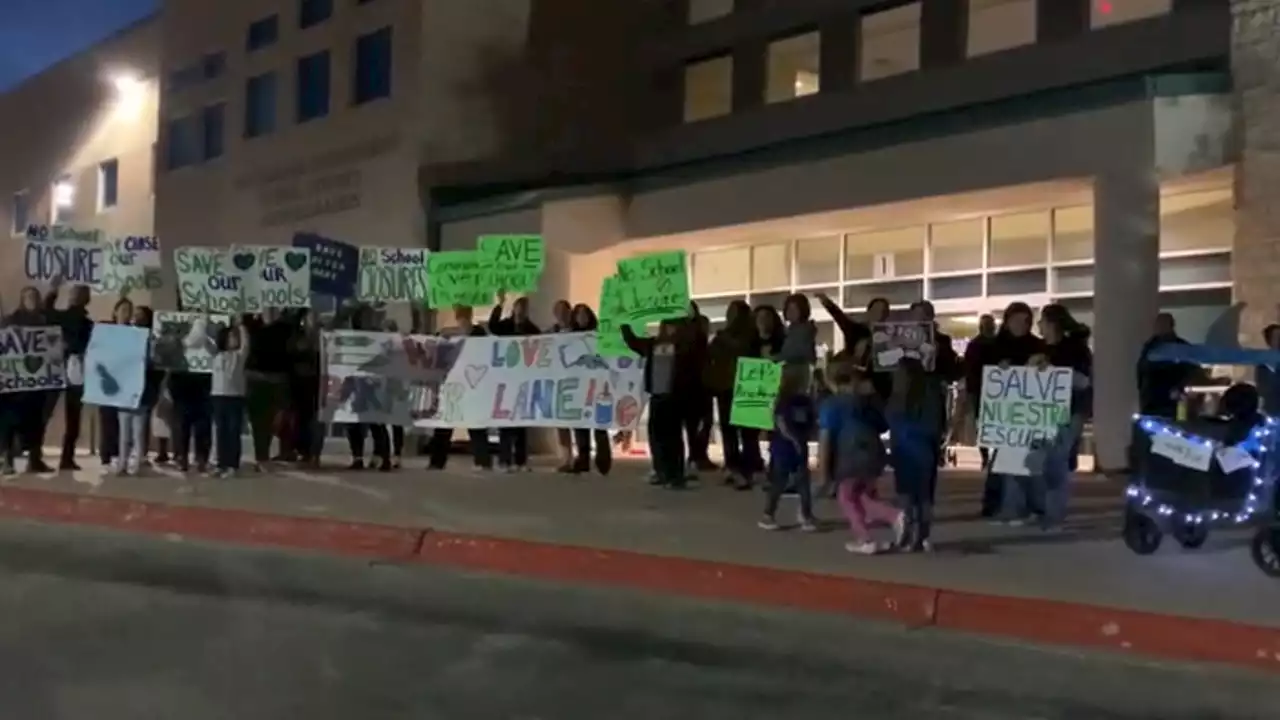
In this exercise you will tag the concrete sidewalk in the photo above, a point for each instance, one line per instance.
(1082, 587)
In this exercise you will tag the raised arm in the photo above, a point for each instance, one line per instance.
(244, 338)
(851, 328)
(198, 336)
(641, 346)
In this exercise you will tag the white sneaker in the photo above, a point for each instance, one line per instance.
(133, 467)
(768, 523)
(1016, 522)
(862, 548)
(808, 526)
(900, 530)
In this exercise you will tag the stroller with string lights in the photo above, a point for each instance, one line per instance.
(1218, 469)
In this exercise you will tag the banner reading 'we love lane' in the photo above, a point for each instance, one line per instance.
(478, 382)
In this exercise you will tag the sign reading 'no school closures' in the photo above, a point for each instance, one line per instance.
(479, 382)
(393, 275)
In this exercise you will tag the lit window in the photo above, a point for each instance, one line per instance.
(213, 126)
(885, 255)
(1019, 240)
(64, 200)
(720, 271)
(890, 42)
(19, 213)
(313, 87)
(260, 105)
(956, 246)
(996, 25)
(314, 12)
(263, 33)
(1104, 13)
(108, 184)
(794, 65)
(1073, 234)
(372, 67)
(1197, 222)
(701, 11)
(708, 88)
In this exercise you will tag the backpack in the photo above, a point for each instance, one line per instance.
(859, 451)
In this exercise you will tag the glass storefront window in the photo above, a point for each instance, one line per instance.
(1017, 282)
(996, 25)
(1073, 280)
(1104, 13)
(903, 292)
(771, 266)
(956, 246)
(818, 260)
(1019, 240)
(1196, 270)
(708, 88)
(955, 287)
(885, 254)
(793, 67)
(1197, 221)
(720, 271)
(1073, 234)
(890, 42)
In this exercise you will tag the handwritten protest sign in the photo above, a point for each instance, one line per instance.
(335, 265)
(130, 264)
(275, 276)
(517, 260)
(478, 382)
(613, 315)
(169, 348)
(1022, 407)
(207, 280)
(891, 342)
(459, 277)
(75, 261)
(31, 359)
(755, 391)
(115, 366)
(654, 287)
(1183, 451)
(393, 275)
(62, 232)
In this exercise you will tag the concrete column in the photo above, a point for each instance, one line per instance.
(1255, 70)
(1126, 212)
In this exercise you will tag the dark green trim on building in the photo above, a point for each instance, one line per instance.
(458, 203)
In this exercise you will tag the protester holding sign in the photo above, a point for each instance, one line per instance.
(135, 423)
(267, 376)
(76, 326)
(513, 443)
(737, 340)
(584, 320)
(668, 378)
(1013, 345)
(228, 387)
(33, 407)
(478, 437)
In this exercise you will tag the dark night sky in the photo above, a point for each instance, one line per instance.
(35, 34)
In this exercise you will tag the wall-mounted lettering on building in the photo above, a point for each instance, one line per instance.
(327, 183)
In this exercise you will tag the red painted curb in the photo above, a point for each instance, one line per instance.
(236, 526)
(1039, 621)
(1063, 623)
(910, 605)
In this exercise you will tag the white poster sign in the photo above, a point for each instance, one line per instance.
(478, 382)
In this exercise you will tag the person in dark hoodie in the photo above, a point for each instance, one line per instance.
(513, 443)
(857, 338)
(702, 418)
(973, 355)
(76, 326)
(267, 377)
(737, 340)
(583, 319)
(1014, 344)
(770, 334)
(192, 416)
(1066, 345)
(1161, 384)
(442, 438)
(31, 407)
(668, 377)
(937, 380)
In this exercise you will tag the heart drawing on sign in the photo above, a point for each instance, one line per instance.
(33, 363)
(474, 374)
(295, 260)
(243, 261)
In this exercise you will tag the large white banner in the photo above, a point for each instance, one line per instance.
(478, 382)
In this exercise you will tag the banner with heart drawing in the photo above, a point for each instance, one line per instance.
(478, 382)
(243, 279)
(31, 359)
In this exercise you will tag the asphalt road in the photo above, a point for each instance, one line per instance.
(107, 626)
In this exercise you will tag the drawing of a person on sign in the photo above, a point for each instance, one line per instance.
(893, 341)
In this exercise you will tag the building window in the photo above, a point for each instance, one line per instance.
(372, 67)
(1197, 222)
(890, 42)
(313, 86)
(314, 12)
(885, 254)
(771, 266)
(1104, 13)
(183, 78)
(818, 261)
(996, 25)
(701, 11)
(708, 88)
(63, 206)
(716, 272)
(956, 246)
(182, 142)
(260, 105)
(263, 33)
(213, 65)
(20, 213)
(1073, 234)
(1019, 240)
(108, 184)
(213, 124)
(793, 66)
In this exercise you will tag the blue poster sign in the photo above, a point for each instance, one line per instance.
(335, 265)
(115, 366)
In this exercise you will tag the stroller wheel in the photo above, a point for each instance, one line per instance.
(1266, 551)
(1141, 534)
(1191, 536)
